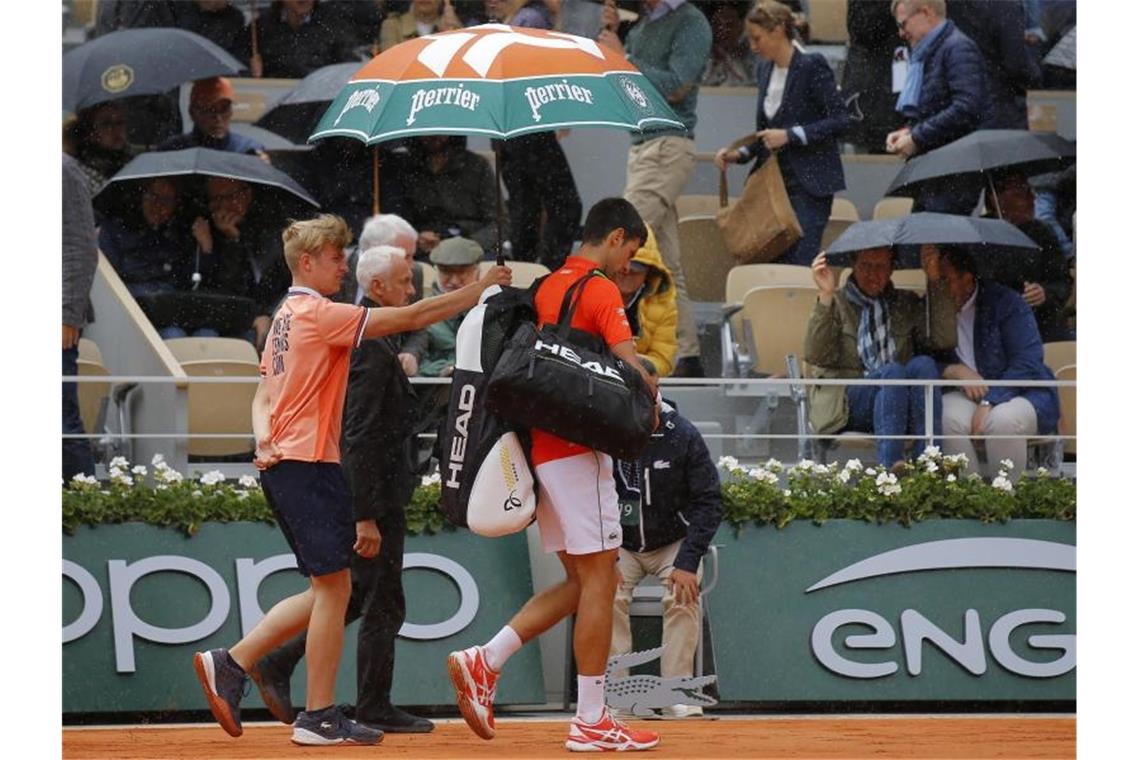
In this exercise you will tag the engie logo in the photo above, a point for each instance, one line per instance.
(569, 355)
(916, 629)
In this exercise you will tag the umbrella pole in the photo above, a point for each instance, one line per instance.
(993, 194)
(375, 180)
(498, 204)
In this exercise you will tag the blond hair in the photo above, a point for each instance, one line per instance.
(770, 15)
(311, 235)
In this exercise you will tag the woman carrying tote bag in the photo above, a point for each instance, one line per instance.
(800, 118)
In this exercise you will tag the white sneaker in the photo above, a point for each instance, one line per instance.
(677, 712)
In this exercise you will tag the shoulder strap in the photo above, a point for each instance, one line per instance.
(575, 291)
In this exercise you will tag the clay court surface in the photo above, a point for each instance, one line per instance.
(972, 737)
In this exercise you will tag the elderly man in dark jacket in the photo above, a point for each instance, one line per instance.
(946, 95)
(379, 423)
(670, 510)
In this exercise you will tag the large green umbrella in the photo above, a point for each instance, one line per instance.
(498, 81)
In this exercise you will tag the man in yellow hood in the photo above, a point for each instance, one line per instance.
(651, 305)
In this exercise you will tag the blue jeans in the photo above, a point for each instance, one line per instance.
(812, 213)
(76, 451)
(894, 409)
(173, 331)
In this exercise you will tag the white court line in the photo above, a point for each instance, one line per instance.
(564, 717)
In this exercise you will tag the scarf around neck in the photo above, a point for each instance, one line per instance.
(907, 103)
(875, 344)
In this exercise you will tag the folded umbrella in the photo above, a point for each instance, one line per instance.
(139, 62)
(975, 156)
(296, 113)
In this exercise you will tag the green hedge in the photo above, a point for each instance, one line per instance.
(934, 486)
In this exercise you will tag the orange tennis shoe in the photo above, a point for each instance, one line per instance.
(474, 683)
(607, 735)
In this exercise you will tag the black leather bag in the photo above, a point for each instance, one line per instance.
(569, 383)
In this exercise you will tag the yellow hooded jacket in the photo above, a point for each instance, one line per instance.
(657, 310)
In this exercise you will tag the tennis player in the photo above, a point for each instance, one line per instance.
(297, 422)
(577, 511)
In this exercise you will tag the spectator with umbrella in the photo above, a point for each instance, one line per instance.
(997, 340)
(946, 94)
(211, 109)
(1042, 276)
(101, 146)
(870, 329)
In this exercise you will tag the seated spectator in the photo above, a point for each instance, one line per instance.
(997, 340)
(297, 37)
(101, 143)
(490, 12)
(872, 330)
(669, 515)
(1042, 277)
(946, 95)
(731, 63)
(1055, 204)
(218, 21)
(450, 192)
(391, 230)
(241, 252)
(456, 263)
(423, 18)
(533, 14)
(651, 306)
(211, 109)
(148, 245)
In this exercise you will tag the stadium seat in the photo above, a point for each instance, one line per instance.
(741, 279)
(1061, 353)
(93, 397)
(699, 205)
(1068, 407)
(222, 408)
(429, 279)
(892, 208)
(828, 22)
(777, 318)
(843, 215)
(704, 259)
(523, 273)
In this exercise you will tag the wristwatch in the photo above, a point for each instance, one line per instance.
(984, 402)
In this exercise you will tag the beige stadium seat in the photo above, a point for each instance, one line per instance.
(704, 259)
(1068, 406)
(523, 273)
(828, 21)
(429, 279)
(1061, 353)
(777, 318)
(741, 279)
(892, 208)
(699, 205)
(92, 396)
(218, 407)
(843, 215)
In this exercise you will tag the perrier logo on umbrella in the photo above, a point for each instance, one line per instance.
(494, 80)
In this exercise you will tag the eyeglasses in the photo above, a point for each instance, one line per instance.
(902, 24)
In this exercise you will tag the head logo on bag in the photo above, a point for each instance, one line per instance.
(567, 353)
(459, 441)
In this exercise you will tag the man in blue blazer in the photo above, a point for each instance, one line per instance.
(946, 95)
(997, 340)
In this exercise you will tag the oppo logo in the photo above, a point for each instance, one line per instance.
(915, 629)
(127, 625)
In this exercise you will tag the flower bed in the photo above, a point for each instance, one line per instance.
(933, 486)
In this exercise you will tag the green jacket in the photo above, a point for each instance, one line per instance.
(831, 347)
(440, 352)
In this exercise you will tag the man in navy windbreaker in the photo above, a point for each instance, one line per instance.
(670, 510)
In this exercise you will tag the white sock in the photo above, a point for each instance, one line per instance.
(591, 698)
(500, 648)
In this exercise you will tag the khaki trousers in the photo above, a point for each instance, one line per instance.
(656, 173)
(1014, 417)
(681, 624)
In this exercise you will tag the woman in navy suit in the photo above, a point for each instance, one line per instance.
(801, 116)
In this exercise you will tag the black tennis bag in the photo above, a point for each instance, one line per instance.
(486, 481)
(569, 383)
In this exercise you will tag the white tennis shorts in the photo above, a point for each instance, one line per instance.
(578, 504)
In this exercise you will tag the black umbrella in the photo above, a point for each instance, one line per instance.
(140, 62)
(908, 233)
(296, 114)
(973, 157)
(202, 162)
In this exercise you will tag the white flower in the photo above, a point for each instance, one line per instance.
(157, 460)
(1042, 472)
(116, 472)
(160, 487)
(821, 469)
(805, 465)
(763, 475)
(140, 470)
(122, 479)
(959, 459)
(195, 493)
(1006, 464)
(887, 484)
(120, 463)
(869, 471)
(1002, 484)
(853, 464)
(83, 480)
(931, 466)
(212, 478)
(242, 495)
(951, 478)
(774, 465)
(787, 493)
(247, 481)
(169, 475)
(755, 473)
(844, 475)
(932, 452)
(430, 480)
(728, 463)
